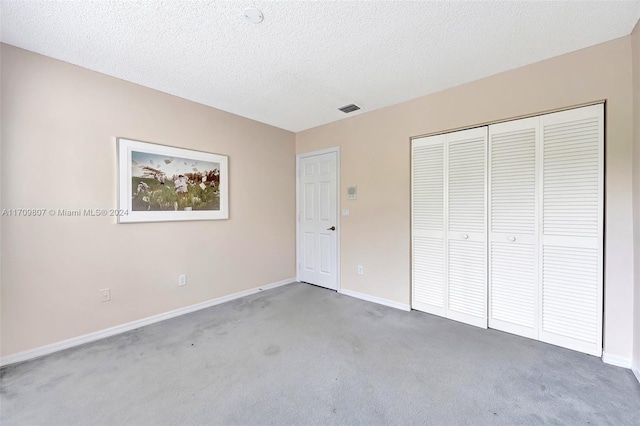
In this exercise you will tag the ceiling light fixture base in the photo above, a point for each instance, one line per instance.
(253, 15)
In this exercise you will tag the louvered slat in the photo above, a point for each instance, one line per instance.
(428, 271)
(513, 283)
(569, 293)
(466, 173)
(428, 187)
(513, 162)
(467, 282)
(571, 178)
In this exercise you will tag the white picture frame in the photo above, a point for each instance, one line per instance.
(158, 183)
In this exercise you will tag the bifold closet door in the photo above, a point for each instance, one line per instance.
(513, 227)
(428, 224)
(571, 249)
(465, 201)
(449, 226)
(514, 210)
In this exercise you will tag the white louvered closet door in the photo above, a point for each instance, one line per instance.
(571, 249)
(428, 233)
(513, 227)
(466, 272)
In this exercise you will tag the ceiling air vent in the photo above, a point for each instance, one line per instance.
(349, 108)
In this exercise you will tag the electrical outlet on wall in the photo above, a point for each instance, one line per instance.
(105, 295)
(182, 280)
(360, 270)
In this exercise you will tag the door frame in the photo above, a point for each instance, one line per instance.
(336, 150)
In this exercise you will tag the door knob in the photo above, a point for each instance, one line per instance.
(465, 236)
(333, 228)
(512, 239)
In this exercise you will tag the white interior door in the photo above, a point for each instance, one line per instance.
(513, 227)
(571, 250)
(466, 272)
(317, 219)
(428, 219)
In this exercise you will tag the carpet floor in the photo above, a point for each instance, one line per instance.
(302, 355)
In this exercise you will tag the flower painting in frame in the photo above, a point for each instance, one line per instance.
(161, 183)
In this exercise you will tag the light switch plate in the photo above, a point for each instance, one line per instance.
(345, 212)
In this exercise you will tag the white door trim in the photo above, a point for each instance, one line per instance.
(336, 150)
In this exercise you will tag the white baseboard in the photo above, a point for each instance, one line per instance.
(379, 300)
(636, 371)
(101, 334)
(618, 361)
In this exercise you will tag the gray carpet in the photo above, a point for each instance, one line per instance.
(300, 354)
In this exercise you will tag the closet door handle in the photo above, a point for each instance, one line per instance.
(512, 238)
(465, 236)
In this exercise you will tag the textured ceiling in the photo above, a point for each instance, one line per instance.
(308, 57)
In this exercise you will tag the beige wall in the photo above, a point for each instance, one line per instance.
(635, 40)
(58, 127)
(375, 156)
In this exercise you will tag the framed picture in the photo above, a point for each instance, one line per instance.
(161, 183)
